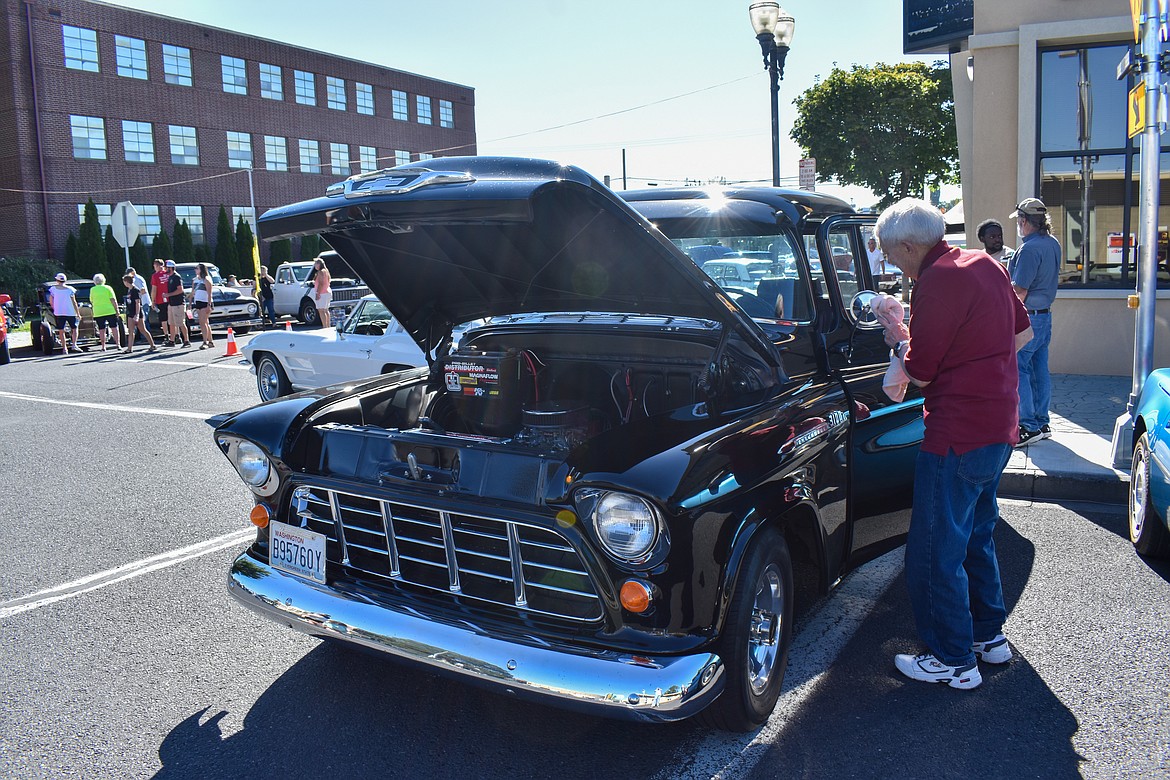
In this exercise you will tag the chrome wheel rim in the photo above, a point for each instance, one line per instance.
(765, 629)
(1138, 493)
(267, 379)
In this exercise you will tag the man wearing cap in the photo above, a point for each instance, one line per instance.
(176, 314)
(63, 302)
(158, 295)
(1035, 272)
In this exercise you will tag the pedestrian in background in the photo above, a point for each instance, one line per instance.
(105, 311)
(960, 348)
(267, 298)
(322, 293)
(63, 304)
(143, 293)
(877, 261)
(135, 313)
(158, 294)
(204, 304)
(1035, 273)
(990, 234)
(176, 314)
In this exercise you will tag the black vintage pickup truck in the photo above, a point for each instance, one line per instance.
(598, 500)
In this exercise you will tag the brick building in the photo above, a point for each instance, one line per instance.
(106, 102)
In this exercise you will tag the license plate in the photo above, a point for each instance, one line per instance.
(297, 551)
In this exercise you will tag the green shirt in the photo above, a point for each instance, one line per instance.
(101, 297)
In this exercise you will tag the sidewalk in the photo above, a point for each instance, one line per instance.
(1075, 463)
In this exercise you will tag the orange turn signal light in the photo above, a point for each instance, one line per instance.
(259, 516)
(635, 596)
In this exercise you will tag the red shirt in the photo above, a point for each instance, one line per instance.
(964, 318)
(158, 286)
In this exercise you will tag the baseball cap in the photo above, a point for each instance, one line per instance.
(60, 277)
(1029, 206)
(170, 263)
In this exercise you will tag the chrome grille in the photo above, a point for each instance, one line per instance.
(349, 293)
(487, 559)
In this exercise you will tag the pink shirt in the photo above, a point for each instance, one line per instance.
(964, 318)
(321, 281)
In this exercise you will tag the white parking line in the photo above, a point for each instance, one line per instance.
(108, 407)
(813, 651)
(121, 573)
(233, 365)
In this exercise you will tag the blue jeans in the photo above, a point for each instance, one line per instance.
(1035, 382)
(951, 569)
(270, 309)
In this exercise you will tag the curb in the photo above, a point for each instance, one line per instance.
(1038, 486)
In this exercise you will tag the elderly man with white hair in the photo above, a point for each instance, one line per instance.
(966, 325)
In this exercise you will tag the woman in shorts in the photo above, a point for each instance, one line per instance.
(323, 295)
(201, 294)
(105, 311)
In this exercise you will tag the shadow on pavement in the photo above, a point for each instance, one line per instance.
(342, 713)
(866, 720)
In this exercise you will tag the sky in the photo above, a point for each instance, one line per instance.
(679, 86)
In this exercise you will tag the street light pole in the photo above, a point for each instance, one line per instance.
(774, 28)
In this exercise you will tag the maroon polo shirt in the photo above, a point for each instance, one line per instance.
(964, 318)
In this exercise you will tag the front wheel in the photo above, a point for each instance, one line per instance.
(309, 314)
(271, 381)
(1146, 530)
(756, 635)
(48, 342)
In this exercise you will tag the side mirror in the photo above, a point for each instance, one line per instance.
(862, 307)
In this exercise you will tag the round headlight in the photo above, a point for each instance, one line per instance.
(626, 525)
(253, 310)
(252, 464)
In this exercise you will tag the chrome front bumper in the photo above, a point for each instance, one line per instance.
(611, 684)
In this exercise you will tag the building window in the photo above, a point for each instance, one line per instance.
(422, 109)
(148, 223)
(130, 56)
(138, 141)
(367, 159)
(176, 65)
(270, 86)
(335, 93)
(239, 150)
(400, 107)
(184, 148)
(306, 87)
(275, 153)
(425, 156)
(246, 213)
(81, 51)
(339, 158)
(310, 156)
(193, 216)
(235, 75)
(104, 212)
(401, 157)
(89, 137)
(365, 98)
(446, 114)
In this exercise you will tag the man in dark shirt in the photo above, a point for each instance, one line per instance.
(966, 325)
(176, 312)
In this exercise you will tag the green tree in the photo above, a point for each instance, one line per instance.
(140, 254)
(70, 254)
(91, 255)
(203, 254)
(20, 276)
(184, 245)
(115, 259)
(310, 246)
(279, 252)
(225, 245)
(244, 242)
(890, 128)
(161, 247)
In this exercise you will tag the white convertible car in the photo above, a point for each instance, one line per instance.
(370, 342)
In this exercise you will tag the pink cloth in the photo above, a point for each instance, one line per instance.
(890, 314)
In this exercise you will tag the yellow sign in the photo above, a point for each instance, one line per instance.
(1135, 11)
(1137, 110)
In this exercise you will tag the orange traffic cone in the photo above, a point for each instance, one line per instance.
(288, 324)
(231, 345)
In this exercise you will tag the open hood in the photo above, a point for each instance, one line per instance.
(479, 237)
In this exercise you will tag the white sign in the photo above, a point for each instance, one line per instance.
(808, 174)
(124, 224)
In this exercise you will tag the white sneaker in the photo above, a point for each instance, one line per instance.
(927, 668)
(993, 651)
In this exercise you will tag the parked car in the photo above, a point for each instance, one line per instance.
(43, 324)
(600, 498)
(1149, 477)
(234, 307)
(292, 292)
(370, 341)
(735, 272)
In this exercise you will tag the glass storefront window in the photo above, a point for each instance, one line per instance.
(1060, 98)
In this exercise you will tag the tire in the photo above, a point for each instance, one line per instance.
(242, 330)
(5, 355)
(1147, 531)
(48, 345)
(755, 639)
(271, 381)
(308, 314)
(34, 330)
